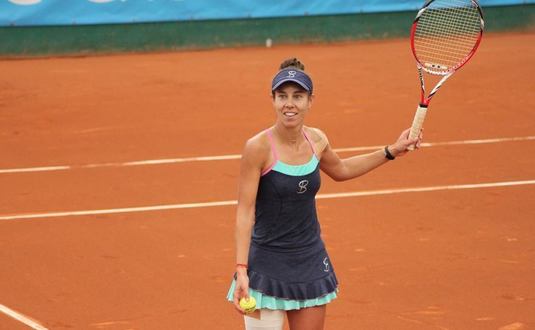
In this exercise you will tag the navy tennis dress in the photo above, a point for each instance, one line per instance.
(287, 257)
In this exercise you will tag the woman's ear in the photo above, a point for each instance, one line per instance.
(310, 99)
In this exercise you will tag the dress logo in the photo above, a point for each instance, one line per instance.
(326, 263)
(302, 186)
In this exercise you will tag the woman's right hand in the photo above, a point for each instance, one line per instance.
(241, 290)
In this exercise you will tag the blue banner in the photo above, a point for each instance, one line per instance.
(77, 12)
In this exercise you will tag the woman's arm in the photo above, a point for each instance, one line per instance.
(349, 168)
(252, 162)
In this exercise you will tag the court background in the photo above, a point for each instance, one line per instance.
(445, 259)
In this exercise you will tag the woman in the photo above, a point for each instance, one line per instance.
(283, 263)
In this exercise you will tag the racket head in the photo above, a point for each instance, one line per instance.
(445, 34)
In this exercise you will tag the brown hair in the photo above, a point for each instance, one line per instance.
(292, 63)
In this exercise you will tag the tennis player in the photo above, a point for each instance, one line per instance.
(281, 259)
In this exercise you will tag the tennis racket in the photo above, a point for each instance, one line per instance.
(445, 35)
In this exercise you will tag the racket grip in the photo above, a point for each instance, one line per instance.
(417, 123)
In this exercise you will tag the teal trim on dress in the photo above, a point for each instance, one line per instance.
(296, 170)
(269, 302)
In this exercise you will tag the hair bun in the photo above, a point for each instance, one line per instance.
(292, 63)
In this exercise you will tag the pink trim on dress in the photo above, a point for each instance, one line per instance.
(311, 143)
(273, 151)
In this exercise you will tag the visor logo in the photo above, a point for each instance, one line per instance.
(291, 74)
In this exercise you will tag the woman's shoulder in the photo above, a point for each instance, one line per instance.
(257, 146)
(259, 141)
(315, 133)
(318, 137)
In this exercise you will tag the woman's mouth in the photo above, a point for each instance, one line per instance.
(290, 114)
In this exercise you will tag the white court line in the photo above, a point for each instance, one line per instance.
(234, 202)
(35, 169)
(21, 318)
(237, 156)
(448, 143)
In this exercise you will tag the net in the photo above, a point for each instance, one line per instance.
(446, 33)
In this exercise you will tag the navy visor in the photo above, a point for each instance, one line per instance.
(292, 75)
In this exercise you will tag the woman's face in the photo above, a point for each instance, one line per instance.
(291, 103)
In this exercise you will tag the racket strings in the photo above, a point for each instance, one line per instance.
(459, 19)
(465, 32)
(454, 35)
(446, 33)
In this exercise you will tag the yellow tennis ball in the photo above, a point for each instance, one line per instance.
(248, 305)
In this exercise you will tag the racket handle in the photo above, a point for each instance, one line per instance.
(417, 123)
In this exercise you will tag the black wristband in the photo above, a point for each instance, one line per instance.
(388, 155)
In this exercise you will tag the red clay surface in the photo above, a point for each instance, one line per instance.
(459, 259)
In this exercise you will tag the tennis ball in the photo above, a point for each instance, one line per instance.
(248, 305)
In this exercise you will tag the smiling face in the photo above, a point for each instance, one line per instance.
(291, 103)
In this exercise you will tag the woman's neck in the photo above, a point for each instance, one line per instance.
(290, 136)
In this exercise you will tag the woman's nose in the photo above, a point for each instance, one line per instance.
(289, 103)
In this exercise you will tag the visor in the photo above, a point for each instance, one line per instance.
(292, 75)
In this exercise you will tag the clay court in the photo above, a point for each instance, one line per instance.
(113, 167)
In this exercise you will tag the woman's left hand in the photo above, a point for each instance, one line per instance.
(400, 147)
